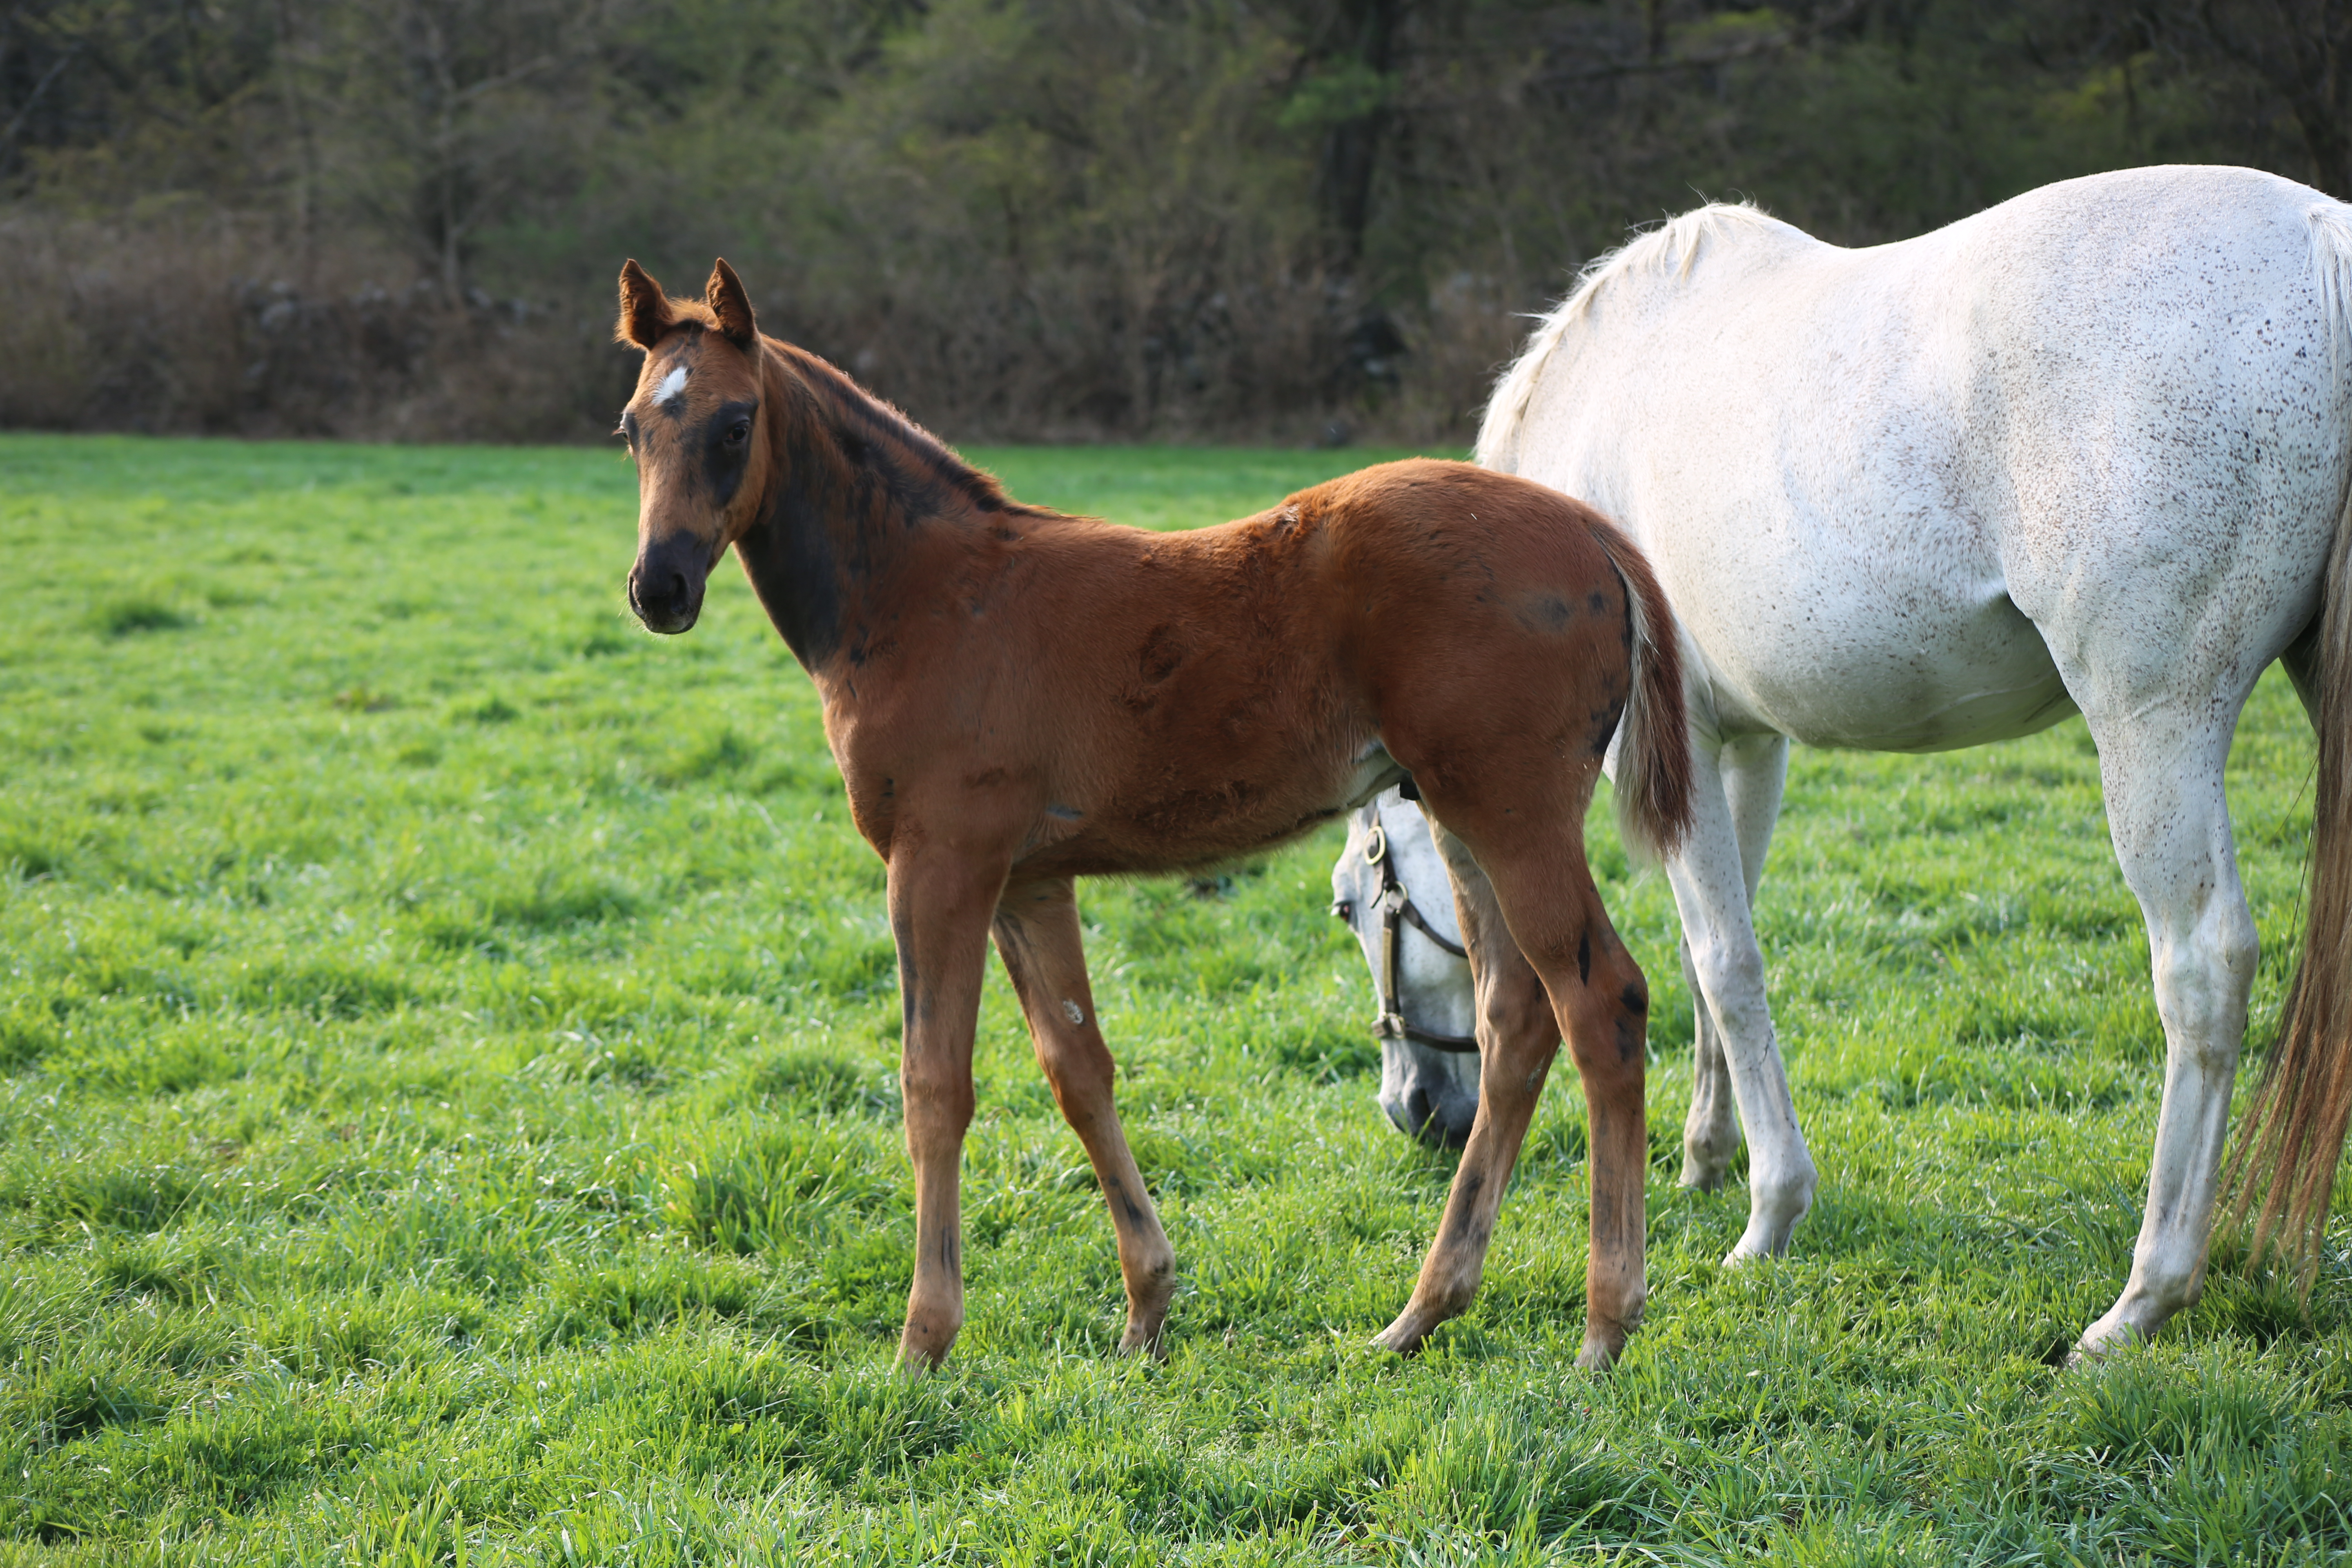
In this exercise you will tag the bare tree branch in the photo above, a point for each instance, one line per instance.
(1662, 64)
(33, 98)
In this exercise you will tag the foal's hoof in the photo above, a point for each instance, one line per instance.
(914, 1365)
(1405, 1335)
(1601, 1351)
(1139, 1341)
(920, 1351)
(1150, 1292)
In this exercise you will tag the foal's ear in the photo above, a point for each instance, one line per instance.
(728, 302)
(644, 308)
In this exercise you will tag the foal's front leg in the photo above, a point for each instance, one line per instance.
(939, 907)
(1037, 935)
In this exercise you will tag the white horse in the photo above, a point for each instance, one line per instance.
(1412, 940)
(2088, 450)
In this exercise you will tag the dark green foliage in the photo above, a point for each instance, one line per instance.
(1291, 220)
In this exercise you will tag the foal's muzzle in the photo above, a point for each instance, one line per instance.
(665, 588)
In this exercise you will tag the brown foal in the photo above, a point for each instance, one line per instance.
(1017, 698)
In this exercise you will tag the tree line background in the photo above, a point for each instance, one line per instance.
(1277, 220)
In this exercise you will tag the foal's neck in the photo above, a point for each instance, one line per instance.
(854, 487)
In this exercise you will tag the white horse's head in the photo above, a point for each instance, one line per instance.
(1429, 1093)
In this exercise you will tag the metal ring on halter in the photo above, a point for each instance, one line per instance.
(1396, 905)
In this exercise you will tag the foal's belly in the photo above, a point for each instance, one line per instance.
(1885, 667)
(1210, 810)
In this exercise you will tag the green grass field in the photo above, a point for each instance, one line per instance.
(447, 1115)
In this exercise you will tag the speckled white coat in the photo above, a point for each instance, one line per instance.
(2088, 449)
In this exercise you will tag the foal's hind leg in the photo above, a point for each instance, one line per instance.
(1583, 978)
(1037, 935)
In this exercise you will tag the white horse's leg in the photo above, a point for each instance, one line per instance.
(2162, 772)
(1711, 1129)
(1754, 768)
(1711, 887)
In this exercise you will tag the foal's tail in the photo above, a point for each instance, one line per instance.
(1653, 764)
(2291, 1137)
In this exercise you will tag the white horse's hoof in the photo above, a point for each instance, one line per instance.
(2109, 1336)
(1759, 1242)
(1702, 1175)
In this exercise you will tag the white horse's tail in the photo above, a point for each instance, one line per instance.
(2291, 1138)
(1654, 760)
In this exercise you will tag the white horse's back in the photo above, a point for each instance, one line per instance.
(1901, 458)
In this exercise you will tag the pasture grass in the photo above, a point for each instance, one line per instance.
(447, 1116)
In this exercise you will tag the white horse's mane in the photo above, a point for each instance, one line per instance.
(1671, 247)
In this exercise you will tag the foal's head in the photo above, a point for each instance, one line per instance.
(693, 428)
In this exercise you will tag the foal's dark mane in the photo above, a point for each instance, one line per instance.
(850, 479)
(871, 433)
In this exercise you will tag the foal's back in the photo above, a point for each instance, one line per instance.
(1170, 699)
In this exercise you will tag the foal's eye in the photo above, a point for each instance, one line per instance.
(1345, 909)
(738, 432)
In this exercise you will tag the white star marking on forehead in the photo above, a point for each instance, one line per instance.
(672, 387)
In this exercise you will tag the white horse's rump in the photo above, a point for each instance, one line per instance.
(2088, 449)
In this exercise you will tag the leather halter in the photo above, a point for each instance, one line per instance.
(1397, 907)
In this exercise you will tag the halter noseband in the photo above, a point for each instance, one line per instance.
(1397, 907)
